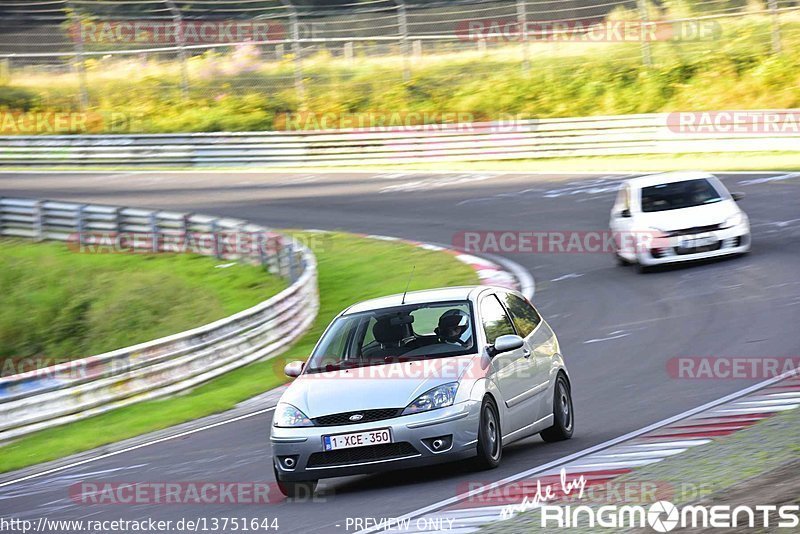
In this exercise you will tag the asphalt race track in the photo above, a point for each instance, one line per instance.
(618, 329)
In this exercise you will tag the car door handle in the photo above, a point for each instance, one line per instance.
(526, 353)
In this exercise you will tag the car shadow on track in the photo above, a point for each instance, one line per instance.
(686, 265)
(465, 470)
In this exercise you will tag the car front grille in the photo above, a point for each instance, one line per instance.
(370, 453)
(694, 230)
(367, 416)
(695, 250)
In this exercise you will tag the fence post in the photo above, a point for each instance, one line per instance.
(647, 57)
(296, 50)
(80, 56)
(180, 37)
(522, 21)
(776, 27)
(402, 28)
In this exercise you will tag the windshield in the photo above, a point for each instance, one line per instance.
(677, 195)
(417, 331)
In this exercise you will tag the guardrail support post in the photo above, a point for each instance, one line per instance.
(647, 56)
(290, 252)
(776, 27)
(522, 21)
(81, 226)
(297, 51)
(262, 252)
(186, 229)
(215, 236)
(154, 233)
(416, 49)
(180, 37)
(38, 221)
(348, 51)
(402, 28)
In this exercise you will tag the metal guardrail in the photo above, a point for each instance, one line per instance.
(514, 139)
(81, 388)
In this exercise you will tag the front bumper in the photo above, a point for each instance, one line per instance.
(311, 462)
(735, 240)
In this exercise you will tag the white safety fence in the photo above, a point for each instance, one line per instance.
(671, 133)
(74, 390)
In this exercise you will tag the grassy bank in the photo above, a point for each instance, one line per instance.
(345, 276)
(58, 305)
(246, 90)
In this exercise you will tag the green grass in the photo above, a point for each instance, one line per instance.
(244, 91)
(57, 304)
(350, 269)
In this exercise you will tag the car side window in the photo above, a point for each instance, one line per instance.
(495, 321)
(524, 316)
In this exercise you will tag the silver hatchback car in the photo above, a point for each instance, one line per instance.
(420, 378)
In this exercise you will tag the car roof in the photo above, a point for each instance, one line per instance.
(443, 294)
(666, 178)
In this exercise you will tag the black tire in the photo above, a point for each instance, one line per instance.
(298, 489)
(490, 439)
(643, 269)
(563, 414)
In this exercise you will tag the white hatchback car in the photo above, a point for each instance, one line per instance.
(677, 216)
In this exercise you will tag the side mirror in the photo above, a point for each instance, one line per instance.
(505, 343)
(737, 196)
(293, 369)
(625, 214)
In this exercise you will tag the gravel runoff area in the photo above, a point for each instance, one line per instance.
(759, 465)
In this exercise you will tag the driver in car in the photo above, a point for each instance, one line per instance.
(453, 328)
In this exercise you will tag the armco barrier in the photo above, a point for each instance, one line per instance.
(517, 139)
(66, 392)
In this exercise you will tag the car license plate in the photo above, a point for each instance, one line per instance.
(356, 439)
(697, 241)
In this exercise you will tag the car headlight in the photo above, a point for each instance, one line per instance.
(287, 416)
(438, 397)
(733, 220)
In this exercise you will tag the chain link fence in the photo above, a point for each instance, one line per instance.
(288, 46)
